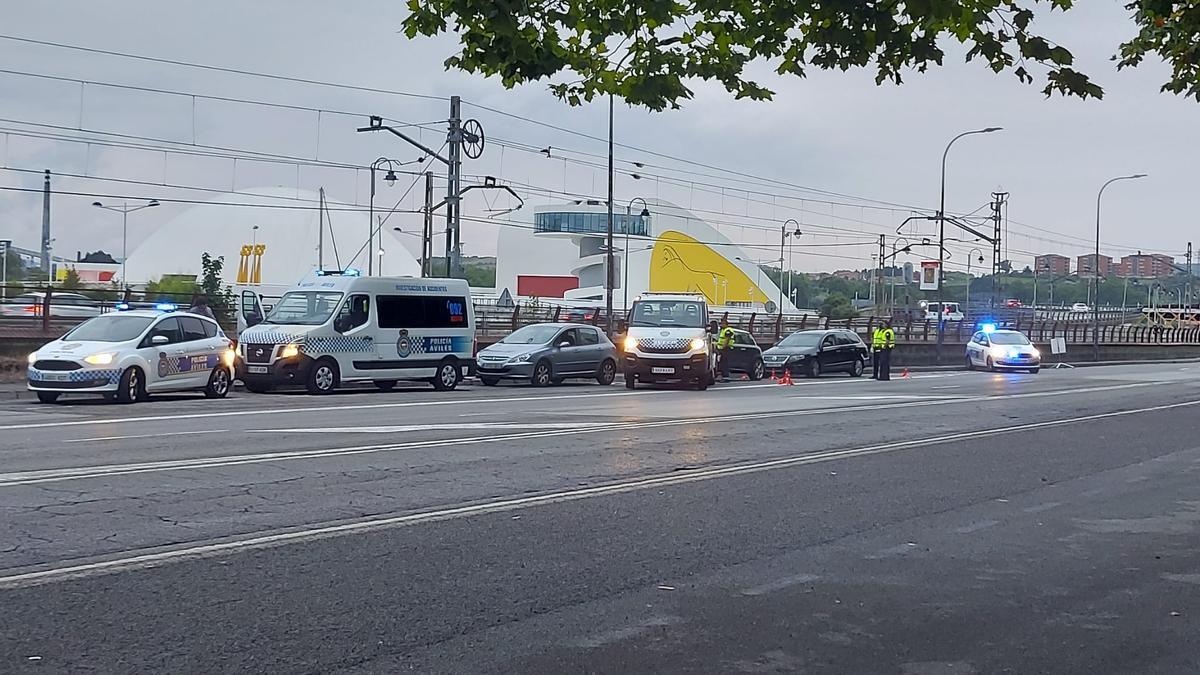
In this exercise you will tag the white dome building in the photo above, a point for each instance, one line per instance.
(291, 237)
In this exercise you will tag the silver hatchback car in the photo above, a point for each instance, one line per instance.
(548, 353)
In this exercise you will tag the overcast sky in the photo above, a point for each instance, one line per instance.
(831, 132)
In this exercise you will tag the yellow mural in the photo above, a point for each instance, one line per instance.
(681, 264)
(250, 269)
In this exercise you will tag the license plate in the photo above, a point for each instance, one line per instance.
(260, 370)
(55, 377)
(663, 371)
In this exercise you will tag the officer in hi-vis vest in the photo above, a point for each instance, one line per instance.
(884, 356)
(876, 351)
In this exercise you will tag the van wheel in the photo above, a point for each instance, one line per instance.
(541, 374)
(607, 372)
(323, 377)
(132, 386)
(218, 384)
(630, 381)
(857, 368)
(489, 381)
(385, 385)
(757, 370)
(447, 376)
(702, 383)
(48, 396)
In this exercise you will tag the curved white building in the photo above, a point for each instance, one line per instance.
(670, 250)
(291, 236)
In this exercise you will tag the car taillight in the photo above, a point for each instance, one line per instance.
(33, 309)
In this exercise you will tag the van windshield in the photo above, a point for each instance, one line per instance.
(304, 308)
(668, 314)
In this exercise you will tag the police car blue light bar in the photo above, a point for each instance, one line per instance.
(121, 306)
(166, 306)
(987, 327)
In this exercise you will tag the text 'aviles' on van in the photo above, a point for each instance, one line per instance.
(334, 328)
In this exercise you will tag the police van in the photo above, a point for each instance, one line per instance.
(336, 327)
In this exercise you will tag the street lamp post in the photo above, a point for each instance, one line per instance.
(625, 263)
(967, 300)
(942, 240)
(1096, 267)
(125, 209)
(390, 179)
(783, 237)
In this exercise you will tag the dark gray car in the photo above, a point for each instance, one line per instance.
(548, 353)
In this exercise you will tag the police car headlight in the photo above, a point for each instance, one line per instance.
(1036, 354)
(630, 343)
(699, 344)
(228, 357)
(100, 359)
(999, 352)
(31, 358)
(289, 351)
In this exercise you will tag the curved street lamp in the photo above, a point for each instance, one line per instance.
(125, 209)
(625, 262)
(1096, 267)
(783, 237)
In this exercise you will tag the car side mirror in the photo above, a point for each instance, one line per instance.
(341, 324)
(160, 340)
(564, 343)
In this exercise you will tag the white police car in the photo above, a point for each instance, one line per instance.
(127, 355)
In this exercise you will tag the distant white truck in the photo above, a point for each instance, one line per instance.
(669, 339)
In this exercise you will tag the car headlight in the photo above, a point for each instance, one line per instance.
(796, 357)
(31, 358)
(998, 352)
(1036, 353)
(228, 357)
(290, 351)
(523, 358)
(100, 359)
(630, 343)
(699, 344)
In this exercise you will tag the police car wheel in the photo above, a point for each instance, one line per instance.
(607, 373)
(322, 378)
(447, 376)
(218, 384)
(991, 367)
(131, 386)
(757, 370)
(541, 374)
(48, 396)
(970, 363)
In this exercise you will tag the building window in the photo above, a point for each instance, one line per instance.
(589, 223)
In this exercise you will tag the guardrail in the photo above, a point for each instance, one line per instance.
(493, 321)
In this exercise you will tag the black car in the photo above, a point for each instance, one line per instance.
(812, 352)
(745, 356)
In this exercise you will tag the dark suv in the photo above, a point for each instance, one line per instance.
(812, 352)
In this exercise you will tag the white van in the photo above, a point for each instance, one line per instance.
(949, 311)
(334, 328)
(668, 340)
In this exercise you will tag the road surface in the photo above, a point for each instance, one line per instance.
(947, 523)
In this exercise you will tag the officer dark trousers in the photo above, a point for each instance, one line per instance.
(876, 357)
(885, 364)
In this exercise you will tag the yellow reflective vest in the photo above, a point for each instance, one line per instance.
(889, 338)
(725, 338)
(877, 339)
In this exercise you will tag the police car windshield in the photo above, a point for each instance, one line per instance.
(802, 340)
(304, 308)
(668, 314)
(531, 335)
(110, 328)
(1009, 339)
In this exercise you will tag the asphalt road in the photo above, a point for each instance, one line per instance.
(947, 523)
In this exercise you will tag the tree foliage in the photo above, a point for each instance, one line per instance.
(646, 51)
(71, 281)
(837, 306)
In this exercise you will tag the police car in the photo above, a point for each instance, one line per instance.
(127, 355)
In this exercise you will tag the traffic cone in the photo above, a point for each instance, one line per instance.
(773, 378)
(787, 377)
(745, 377)
(905, 373)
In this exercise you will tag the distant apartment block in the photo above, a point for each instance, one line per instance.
(1058, 265)
(1086, 266)
(1148, 266)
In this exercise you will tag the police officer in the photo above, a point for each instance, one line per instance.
(724, 344)
(888, 336)
(876, 351)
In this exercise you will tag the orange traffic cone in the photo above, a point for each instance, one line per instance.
(773, 378)
(787, 377)
(905, 373)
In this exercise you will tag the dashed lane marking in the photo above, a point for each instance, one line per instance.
(168, 433)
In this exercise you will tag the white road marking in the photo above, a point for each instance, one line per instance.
(169, 433)
(780, 584)
(364, 406)
(99, 471)
(627, 632)
(428, 427)
(947, 386)
(877, 397)
(142, 560)
(1038, 508)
